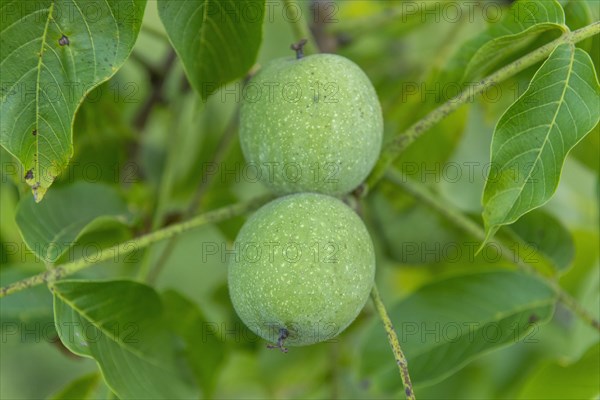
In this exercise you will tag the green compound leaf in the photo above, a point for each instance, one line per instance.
(534, 136)
(446, 324)
(204, 351)
(26, 310)
(577, 14)
(121, 325)
(49, 229)
(542, 240)
(53, 53)
(81, 388)
(217, 41)
(525, 21)
(555, 380)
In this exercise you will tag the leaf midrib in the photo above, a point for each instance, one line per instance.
(203, 28)
(36, 165)
(466, 360)
(559, 103)
(109, 334)
(523, 29)
(501, 316)
(63, 232)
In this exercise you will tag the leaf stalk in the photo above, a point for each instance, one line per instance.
(401, 141)
(136, 244)
(300, 27)
(466, 224)
(394, 343)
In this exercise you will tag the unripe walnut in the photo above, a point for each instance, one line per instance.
(312, 124)
(303, 270)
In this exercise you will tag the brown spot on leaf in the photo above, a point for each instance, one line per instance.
(64, 41)
(29, 174)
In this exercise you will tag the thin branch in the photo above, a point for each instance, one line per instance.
(219, 155)
(162, 197)
(153, 71)
(153, 273)
(157, 80)
(300, 26)
(122, 249)
(400, 142)
(321, 11)
(459, 219)
(576, 307)
(394, 343)
(155, 32)
(157, 77)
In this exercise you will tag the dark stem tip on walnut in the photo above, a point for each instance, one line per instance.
(283, 334)
(299, 48)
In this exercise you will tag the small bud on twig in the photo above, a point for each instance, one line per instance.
(299, 48)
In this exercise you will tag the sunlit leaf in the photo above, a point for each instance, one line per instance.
(80, 389)
(53, 53)
(446, 324)
(121, 325)
(525, 21)
(412, 232)
(533, 137)
(217, 41)
(52, 227)
(104, 139)
(203, 348)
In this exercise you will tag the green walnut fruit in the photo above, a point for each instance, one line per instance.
(312, 124)
(303, 268)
